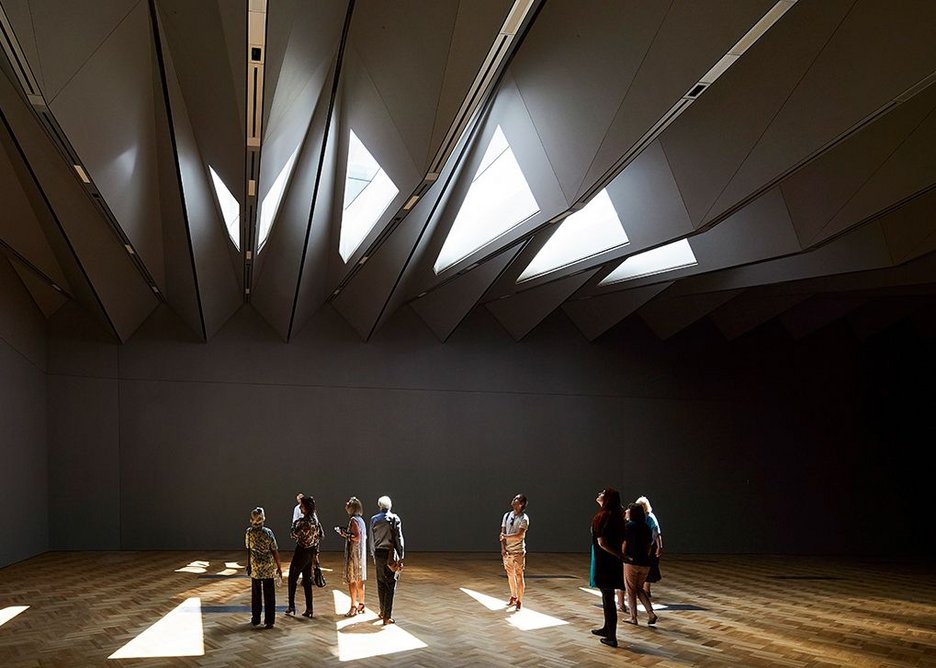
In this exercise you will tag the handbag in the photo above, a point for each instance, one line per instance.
(393, 563)
(317, 577)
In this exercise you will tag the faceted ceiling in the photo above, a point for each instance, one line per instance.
(736, 160)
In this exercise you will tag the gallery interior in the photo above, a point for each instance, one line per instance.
(451, 251)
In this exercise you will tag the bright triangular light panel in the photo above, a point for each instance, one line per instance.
(593, 230)
(498, 200)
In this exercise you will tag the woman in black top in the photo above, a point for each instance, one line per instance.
(607, 529)
(636, 548)
(307, 532)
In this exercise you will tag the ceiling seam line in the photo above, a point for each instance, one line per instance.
(435, 121)
(154, 21)
(329, 114)
(770, 122)
(371, 388)
(877, 169)
(58, 223)
(630, 84)
(96, 49)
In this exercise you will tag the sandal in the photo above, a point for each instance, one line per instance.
(351, 613)
(360, 609)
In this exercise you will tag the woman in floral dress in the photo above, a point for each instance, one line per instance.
(355, 571)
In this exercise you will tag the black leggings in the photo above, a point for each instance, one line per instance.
(608, 605)
(301, 564)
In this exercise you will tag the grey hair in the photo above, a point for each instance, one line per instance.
(645, 502)
(384, 502)
(257, 517)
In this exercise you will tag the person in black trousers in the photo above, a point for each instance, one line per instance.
(386, 547)
(307, 532)
(263, 563)
(607, 574)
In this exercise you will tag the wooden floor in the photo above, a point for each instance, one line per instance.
(714, 611)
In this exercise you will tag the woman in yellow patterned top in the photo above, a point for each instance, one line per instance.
(263, 563)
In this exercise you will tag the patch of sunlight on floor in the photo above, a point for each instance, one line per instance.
(523, 619)
(179, 633)
(227, 571)
(194, 567)
(488, 602)
(596, 592)
(364, 635)
(8, 613)
(232, 564)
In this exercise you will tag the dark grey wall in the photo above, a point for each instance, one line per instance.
(169, 443)
(23, 458)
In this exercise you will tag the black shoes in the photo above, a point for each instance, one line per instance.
(610, 642)
(290, 611)
(307, 613)
(600, 632)
(652, 620)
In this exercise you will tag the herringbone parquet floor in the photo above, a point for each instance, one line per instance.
(749, 611)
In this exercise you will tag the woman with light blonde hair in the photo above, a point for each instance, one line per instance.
(355, 570)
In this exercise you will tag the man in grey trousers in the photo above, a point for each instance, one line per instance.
(386, 547)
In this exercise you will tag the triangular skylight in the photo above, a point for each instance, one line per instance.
(230, 208)
(368, 193)
(271, 201)
(595, 229)
(677, 255)
(498, 200)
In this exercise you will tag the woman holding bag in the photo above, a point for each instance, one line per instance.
(307, 532)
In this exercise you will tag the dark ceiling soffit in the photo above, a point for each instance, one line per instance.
(339, 60)
(37, 105)
(157, 39)
(58, 224)
(24, 261)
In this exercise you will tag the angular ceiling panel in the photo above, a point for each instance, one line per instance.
(574, 72)
(786, 145)
(107, 108)
(875, 56)
(67, 35)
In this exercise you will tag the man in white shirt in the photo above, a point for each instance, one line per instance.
(513, 548)
(297, 511)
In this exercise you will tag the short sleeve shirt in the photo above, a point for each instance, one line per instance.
(512, 525)
(307, 532)
(261, 542)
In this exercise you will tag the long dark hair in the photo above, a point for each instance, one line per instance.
(308, 508)
(611, 510)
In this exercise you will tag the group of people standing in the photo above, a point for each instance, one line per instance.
(385, 542)
(626, 546)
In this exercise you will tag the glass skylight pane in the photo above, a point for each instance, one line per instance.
(368, 193)
(271, 201)
(677, 255)
(230, 208)
(593, 230)
(498, 200)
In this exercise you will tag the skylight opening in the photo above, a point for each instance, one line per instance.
(677, 255)
(271, 201)
(368, 193)
(230, 208)
(498, 200)
(593, 230)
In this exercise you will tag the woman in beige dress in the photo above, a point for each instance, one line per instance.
(355, 571)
